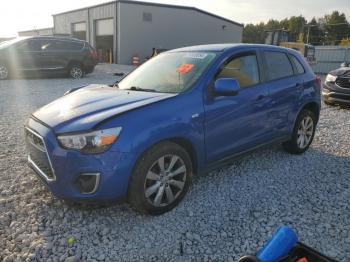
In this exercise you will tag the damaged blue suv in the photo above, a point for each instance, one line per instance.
(181, 113)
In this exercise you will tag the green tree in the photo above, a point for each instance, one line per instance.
(336, 27)
(296, 26)
(330, 29)
(316, 34)
(284, 24)
(272, 24)
(254, 33)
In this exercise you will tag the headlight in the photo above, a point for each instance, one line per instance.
(93, 142)
(331, 78)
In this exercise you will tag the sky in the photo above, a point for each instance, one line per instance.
(19, 15)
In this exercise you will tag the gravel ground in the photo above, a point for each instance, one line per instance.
(227, 213)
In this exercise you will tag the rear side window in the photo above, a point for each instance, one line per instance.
(298, 66)
(243, 68)
(278, 65)
(68, 46)
(47, 45)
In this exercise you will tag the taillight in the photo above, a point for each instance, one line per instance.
(318, 80)
(93, 53)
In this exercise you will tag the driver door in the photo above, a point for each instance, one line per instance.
(237, 123)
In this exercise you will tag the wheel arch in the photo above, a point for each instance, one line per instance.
(313, 107)
(75, 62)
(183, 142)
(190, 149)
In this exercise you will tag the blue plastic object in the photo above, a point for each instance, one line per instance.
(281, 243)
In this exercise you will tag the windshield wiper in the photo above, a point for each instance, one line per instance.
(136, 88)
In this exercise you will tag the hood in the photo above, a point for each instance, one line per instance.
(340, 71)
(86, 107)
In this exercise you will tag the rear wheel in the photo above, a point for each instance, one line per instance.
(161, 178)
(76, 71)
(303, 133)
(4, 72)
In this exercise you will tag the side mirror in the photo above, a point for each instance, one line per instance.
(226, 87)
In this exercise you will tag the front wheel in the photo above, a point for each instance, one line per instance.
(4, 72)
(303, 133)
(76, 71)
(161, 178)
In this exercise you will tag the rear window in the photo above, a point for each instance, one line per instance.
(278, 65)
(298, 66)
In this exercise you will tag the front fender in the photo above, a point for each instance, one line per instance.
(178, 118)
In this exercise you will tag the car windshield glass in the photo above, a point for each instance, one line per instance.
(172, 72)
(10, 42)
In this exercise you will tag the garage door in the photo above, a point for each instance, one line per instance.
(104, 27)
(104, 40)
(79, 30)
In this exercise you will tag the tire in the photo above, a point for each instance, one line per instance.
(76, 71)
(4, 72)
(303, 133)
(154, 192)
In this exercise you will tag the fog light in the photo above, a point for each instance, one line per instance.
(87, 183)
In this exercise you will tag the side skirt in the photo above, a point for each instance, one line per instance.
(226, 161)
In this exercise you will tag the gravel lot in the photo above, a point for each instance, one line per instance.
(227, 213)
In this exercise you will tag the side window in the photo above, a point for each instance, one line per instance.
(244, 69)
(30, 46)
(278, 65)
(298, 66)
(73, 46)
(48, 45)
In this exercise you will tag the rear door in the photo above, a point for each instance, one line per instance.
(58, 53)
(28, 55)
(50, 55)
(284, 89)
(236, 123)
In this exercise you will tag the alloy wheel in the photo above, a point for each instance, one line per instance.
(305, 132)
(76, 72)
(165, 180)
(3, 72)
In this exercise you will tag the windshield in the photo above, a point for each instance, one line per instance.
(168, 72)
(10, 42)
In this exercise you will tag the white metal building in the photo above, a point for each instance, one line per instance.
(121, 29)
(36, 32)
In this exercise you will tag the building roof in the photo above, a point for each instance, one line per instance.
(36, 29)
(159, 5)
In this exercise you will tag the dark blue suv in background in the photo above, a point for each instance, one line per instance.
(40, 55)
(179, 114)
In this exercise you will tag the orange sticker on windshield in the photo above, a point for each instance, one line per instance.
(184, 68)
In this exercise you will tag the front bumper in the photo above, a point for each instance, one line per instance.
(334, 94)
(67, 166)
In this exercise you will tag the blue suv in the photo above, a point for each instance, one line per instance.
(179, 114)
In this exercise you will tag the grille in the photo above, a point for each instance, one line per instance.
(35, 140)
(339, 96)
(343, 82)
(38, 157)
